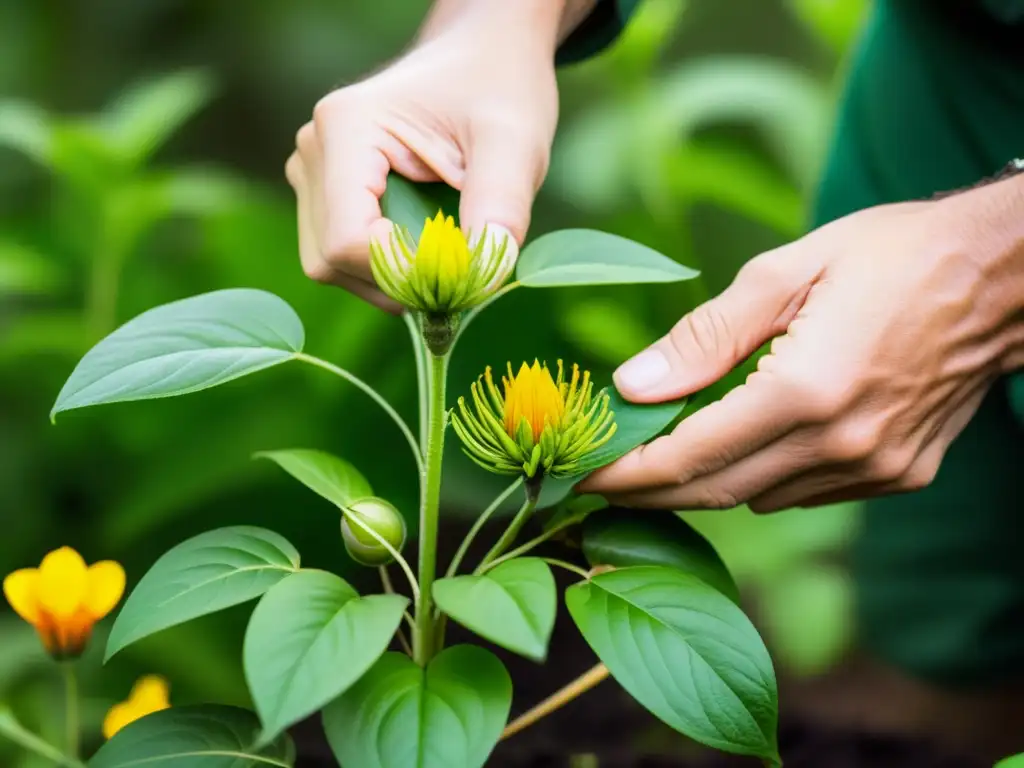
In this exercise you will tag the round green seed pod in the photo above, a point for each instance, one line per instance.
(383, 519)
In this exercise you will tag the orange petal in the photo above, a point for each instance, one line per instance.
(21, 589)
(62, 583)
(104, 588)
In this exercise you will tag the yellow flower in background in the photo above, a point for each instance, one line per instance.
(63, 598)
(537, 424)
(442, 273)
(150, 694)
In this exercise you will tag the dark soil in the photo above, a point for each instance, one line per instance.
(609, 725)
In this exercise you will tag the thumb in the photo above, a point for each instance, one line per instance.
(710, 341)
(504, 170)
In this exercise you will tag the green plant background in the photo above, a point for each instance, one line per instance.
(699, 134)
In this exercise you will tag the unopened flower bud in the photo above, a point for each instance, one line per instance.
(382, 518)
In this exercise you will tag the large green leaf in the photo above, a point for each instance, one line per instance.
(410, 205)
(684, 651)
(185, 346)
(1017, 761)
(205, 736)
(207, 573)
(589, 257)
(310, 638)
(512, 605)
(398, 715)
(333, 478)
(624, 537)
(635, 424)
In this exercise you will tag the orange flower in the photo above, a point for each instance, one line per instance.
(63, 598)
(150, 694)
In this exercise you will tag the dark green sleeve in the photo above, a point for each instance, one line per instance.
(597, 32)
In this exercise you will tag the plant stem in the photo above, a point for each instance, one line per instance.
(559, 699)
(16, 733)
(420, 353)
(534, 542)
(425, 635)
(376, 396)
(511, 532)
(562, 564)
(71, 708)
(453, 568)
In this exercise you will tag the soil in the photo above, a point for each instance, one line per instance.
(607, 724)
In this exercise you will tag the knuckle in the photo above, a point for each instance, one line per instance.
(890, 465)
(318, 271)
(305, 138)
(854, 440)
(293, 170)
(816, 398)
(762, 272)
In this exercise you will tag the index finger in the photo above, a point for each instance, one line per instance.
(747, 419)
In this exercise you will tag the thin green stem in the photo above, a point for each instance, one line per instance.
(567, 566)
(374, 395)
(71, 708)
(453, 568)
(424, 639)
(403, 564)
(510, 533)
(17, 734)
(534, 542)
(420, 352)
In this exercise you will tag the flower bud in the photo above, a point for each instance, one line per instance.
(442, 273)
(538, 426)
(383, 519)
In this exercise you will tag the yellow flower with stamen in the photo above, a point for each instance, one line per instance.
(442, 273)
(537, 424)
(150, 694)
(64, 598)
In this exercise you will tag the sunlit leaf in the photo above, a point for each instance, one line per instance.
(332, 478)
(185, 346)
(589, 257)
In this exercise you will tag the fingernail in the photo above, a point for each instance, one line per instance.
(644, 371)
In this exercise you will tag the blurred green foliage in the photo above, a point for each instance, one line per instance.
(141, 161)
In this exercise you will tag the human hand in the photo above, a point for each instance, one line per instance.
(889, 327)
(473, 104)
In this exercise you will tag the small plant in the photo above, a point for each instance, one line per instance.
(651, 596)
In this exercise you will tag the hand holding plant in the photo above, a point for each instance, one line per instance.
(653, 600)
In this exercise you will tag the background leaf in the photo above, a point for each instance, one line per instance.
(211, 736)
(332, 478)
(400, 716)
(410, 205)
(512, 605)
(624, 537)
(185, 346)
(310, 638)
(589, 257)
(207, 573)
(684, 651)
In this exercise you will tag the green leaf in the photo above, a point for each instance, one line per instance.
(185, 346)
(146, 115)
(635, 424)
(205, 736)
(310, 638)
(26, 271)
(512, 605)
(399, 716)
(589, 257)
(410, 205)
(1017, 761)
(332, 478)
(573, 510)
(684, 651)
(624, 537)
(27, 129)
(207, 573)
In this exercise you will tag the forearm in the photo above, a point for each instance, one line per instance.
(548, 22)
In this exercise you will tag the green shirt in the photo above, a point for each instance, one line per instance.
(934, 102)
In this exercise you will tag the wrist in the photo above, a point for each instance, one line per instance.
(544, 22)
(989, 226)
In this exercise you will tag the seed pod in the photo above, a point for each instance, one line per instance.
(382, 518)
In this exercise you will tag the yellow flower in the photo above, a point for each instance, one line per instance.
(441, 274)
(63, 598)
(538, 425)
(150, 694)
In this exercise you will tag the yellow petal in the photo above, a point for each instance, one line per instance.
(104, 588)
(21, 589)
(149, 695)
(62, 583)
